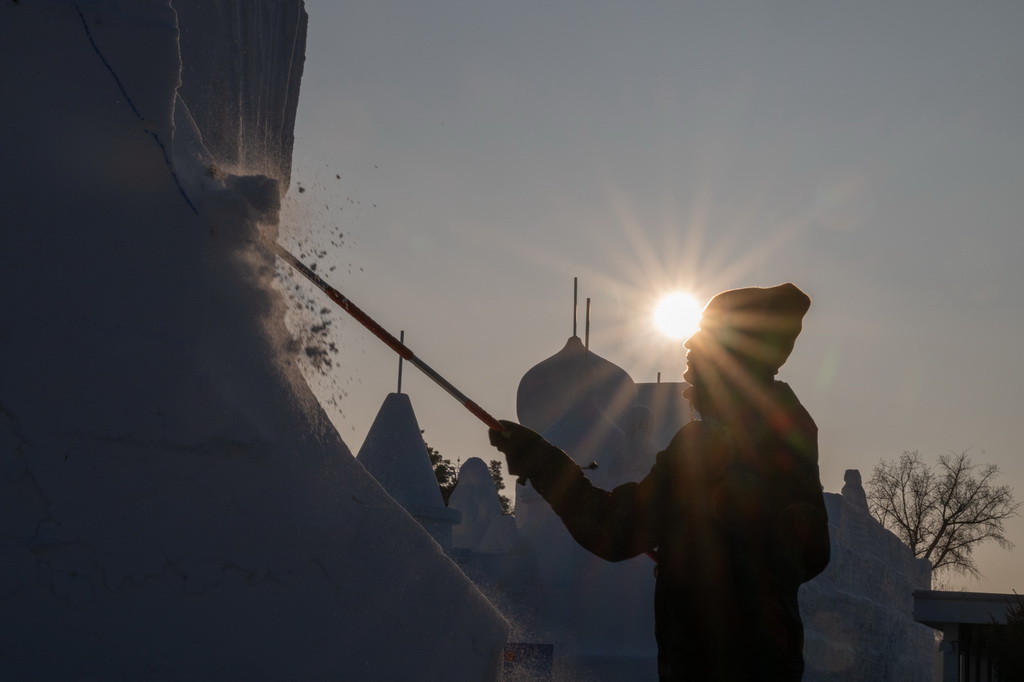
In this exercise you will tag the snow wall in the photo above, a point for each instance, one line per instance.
(858, 614)
(174, 504)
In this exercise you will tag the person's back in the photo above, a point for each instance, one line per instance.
(747, 527)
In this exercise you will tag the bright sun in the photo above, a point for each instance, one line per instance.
(677, 315)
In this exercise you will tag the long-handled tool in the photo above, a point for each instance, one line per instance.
(382, 334)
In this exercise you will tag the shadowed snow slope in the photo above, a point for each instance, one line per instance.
(173, 502)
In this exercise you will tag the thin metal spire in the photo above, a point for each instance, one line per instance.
(586, 343)
(401, 339)
(575, 306)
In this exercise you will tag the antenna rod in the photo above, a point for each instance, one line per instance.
(586, 343)
(575, 288)
(378, 331)
(401, 338)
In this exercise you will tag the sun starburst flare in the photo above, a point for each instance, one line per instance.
(677, 315)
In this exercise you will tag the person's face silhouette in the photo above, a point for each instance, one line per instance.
(712, 370)
(696, 358)
(700, 359)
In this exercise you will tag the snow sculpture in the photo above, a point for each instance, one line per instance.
(483, 527)
(228, 103)
(858, 614)
(394, 453)
(174, 503)
(638, 449)
(587, 435)
(670, 411)
(590, 609)
(853, 491)
(562, 378)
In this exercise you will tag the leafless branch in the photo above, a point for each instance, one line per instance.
(943, 512)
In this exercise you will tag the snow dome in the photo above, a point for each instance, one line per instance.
(549, 389)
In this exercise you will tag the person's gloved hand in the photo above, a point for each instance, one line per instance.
(522, 447)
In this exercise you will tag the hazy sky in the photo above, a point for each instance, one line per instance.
(871, 152)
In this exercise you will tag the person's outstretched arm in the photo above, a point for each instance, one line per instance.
(615, 525)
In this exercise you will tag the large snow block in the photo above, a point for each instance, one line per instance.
(241, 66)
(174, 504)
(859, 613)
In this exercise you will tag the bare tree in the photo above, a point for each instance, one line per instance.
(942, 513)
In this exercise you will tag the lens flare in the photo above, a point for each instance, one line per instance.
(677, 315)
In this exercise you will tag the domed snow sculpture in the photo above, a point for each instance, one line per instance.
(551, 387)
(587, 406)
(394, 453)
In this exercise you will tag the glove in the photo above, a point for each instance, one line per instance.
(523, 448)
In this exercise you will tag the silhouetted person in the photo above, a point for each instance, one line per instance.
(732, 508)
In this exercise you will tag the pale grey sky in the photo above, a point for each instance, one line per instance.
(870, 152)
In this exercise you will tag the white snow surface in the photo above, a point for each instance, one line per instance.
(397, 457)
(174, 504)
(395, 454)
(483, 527)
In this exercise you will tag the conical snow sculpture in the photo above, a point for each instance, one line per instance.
(174, 504)
(394, 453)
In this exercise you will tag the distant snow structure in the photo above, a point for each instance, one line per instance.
(853, 489)
(174, 504)
(859, 613)
(394, 453)
(598, 615)
(564, 379)
(483, 527)
(668, 411)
